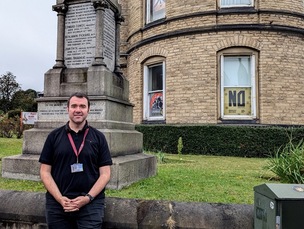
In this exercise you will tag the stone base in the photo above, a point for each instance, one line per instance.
(124, 171)
(120, 142)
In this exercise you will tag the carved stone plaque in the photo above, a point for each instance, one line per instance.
(80, 34)
(57, 111)
(109, 39)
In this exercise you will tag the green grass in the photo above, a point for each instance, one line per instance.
(186, 178)
(9, 147)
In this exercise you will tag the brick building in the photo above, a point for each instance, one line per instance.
(214, 61)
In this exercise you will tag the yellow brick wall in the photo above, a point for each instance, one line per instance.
(192, 79)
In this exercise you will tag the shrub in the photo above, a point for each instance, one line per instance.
(220, 140)
(11, 126)
(180, 146)
(288, 163)
(14, 113)
(7, 127)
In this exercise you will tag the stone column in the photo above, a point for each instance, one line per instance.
(61, 9)
(100, 10)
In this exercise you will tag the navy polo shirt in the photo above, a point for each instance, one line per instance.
(58, 153)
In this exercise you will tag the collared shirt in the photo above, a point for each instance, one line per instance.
(58, 153)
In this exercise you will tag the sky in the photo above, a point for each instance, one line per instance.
(28, 40)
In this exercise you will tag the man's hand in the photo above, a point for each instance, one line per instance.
(70, 205)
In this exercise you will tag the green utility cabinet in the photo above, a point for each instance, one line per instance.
(279, 206)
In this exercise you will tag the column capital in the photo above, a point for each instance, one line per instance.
(100, 5)
(119, 18)
(60, 8)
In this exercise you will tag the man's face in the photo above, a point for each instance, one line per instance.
(78, 110)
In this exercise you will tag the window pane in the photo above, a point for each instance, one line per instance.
(237, 71)
(156, 78)
(236, 2)
(157, 9)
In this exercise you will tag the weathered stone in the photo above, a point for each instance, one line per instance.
(26, 210)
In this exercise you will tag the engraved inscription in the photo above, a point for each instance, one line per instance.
(52, 109)
(109, 39)
(80, 35)
(58, 111)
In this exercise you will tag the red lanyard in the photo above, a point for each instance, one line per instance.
(82, 144)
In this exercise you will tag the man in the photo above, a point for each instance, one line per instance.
(75, 168)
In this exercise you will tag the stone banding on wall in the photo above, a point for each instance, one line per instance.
(191, 37)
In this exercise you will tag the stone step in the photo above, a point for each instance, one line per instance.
(124, 171)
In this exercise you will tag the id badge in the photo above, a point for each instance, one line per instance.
(76, 168)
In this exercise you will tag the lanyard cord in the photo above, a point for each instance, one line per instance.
(82, 143)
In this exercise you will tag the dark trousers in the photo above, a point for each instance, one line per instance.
(88, 217)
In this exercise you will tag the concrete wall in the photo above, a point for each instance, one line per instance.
(25, 210)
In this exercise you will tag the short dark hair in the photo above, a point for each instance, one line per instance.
(79, 95)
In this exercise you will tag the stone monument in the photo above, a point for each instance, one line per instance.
(87, 61)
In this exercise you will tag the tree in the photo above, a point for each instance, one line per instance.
(25, 100)
(8, 86)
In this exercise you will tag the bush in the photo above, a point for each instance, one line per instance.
(7, 127)
(14, 113)
(11, 126)
(221, 140)
(288, 163)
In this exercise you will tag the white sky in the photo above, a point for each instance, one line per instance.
(28, 37)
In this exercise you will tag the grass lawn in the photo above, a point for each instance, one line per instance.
(187, 178)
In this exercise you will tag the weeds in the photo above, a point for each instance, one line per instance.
(180, 146)
(288, 163)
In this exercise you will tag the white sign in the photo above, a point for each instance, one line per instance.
(29, 117)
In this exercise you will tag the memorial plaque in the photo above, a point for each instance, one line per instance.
(80, 35)
(58, 111)
(109, 39)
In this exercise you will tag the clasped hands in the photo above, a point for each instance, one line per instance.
(71, 205)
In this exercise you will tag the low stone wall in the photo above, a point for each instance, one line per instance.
(25, 210)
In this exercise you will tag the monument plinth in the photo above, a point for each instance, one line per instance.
(87, 61)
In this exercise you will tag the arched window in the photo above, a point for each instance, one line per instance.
(238, 84)
(154, 89)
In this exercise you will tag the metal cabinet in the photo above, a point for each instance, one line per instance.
(279, 206)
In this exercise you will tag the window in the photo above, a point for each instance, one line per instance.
(156, 9)
(238, 87)
(236, 3)
(154, 94)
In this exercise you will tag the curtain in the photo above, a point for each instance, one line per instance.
(237, 71)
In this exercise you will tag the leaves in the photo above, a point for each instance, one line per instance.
(288, 163)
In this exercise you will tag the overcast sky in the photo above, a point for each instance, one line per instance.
(28, 34)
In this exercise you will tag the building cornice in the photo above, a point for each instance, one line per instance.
(218, 28)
